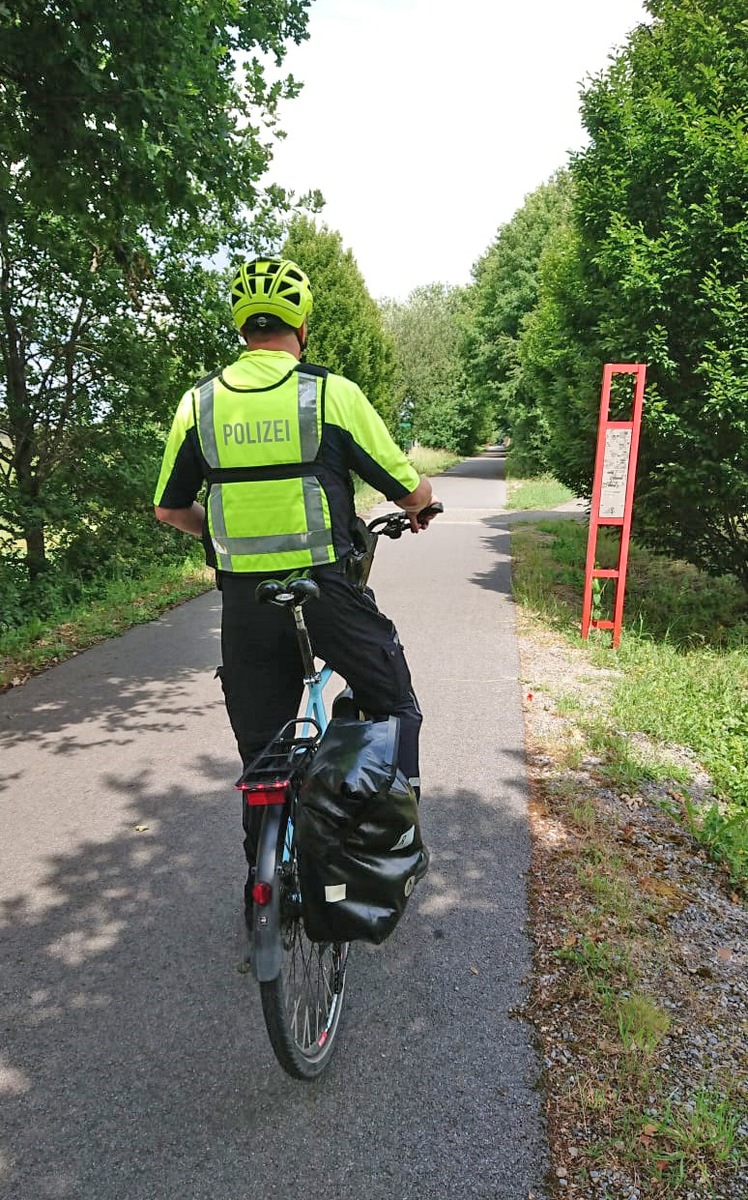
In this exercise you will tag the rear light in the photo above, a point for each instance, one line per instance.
(261, 893)
(265, 793)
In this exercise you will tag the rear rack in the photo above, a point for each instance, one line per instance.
(283, 758)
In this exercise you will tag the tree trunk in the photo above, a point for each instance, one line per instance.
(36, 554)
(20, 423)
(28, 510)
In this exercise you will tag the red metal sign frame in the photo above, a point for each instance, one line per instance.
(623, 522)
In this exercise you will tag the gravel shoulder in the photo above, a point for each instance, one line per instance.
(640, 987)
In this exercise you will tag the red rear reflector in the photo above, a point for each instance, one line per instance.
(261, 893)
(265, 793)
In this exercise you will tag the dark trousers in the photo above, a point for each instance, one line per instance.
(262, 673)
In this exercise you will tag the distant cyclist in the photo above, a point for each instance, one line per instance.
(276, 441)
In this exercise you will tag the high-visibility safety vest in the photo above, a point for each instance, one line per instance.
(266, 509)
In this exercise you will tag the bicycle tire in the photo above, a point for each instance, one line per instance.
(303, 1004)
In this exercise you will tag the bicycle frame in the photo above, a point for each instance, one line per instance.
(302, 982)
(315, 704)
(267, 948)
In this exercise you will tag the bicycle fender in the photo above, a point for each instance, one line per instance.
(266, 945)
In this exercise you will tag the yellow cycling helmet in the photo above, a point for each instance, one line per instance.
(271, 285)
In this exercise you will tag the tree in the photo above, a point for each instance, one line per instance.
(559, 359)
(504, 293)
(93, 374)
(432, 397)
(346, 332)
(656, 273)
(132, 150)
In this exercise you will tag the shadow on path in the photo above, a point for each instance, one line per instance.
(121, 688)
(137, 1063)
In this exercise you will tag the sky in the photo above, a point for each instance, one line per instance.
(425, 124)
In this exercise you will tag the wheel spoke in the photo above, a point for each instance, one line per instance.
(308, 986)
(303, 1005)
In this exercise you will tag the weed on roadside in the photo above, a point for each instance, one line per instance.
(120, 604)
(640, 992)
(638, 1049)
(543, 493)
(680, 677)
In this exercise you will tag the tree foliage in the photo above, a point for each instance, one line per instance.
(432, 398)
(656, 272)
(131, 149)
(92, 375)
(504, 293)
(346, 332)
(138, 113)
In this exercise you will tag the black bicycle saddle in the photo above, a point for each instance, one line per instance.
(272, 591)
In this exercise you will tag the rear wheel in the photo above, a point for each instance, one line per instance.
(303, 1004)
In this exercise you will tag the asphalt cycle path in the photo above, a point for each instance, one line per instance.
(134, 1063)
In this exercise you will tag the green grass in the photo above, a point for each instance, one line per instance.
(428, 461)
(681, 670)
(365, 495)
(692, 1139)
(694, 698)
(642, 1024)
(545, 492)
(624, 764)
(678, 683)
(605, 965)
(618, 1027)
(119, 604)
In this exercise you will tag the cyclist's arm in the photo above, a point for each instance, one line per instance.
(181, 475)
(189, 520)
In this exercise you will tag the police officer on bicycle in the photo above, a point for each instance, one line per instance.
(276, 440)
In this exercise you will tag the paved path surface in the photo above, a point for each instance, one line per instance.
(134, 1064)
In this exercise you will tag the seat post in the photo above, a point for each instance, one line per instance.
(311, 674)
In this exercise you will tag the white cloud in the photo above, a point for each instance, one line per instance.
(425, 124)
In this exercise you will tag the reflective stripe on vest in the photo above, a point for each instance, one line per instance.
(317, 539)
(308, 417)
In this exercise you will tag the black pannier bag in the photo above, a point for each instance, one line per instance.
(359, 834)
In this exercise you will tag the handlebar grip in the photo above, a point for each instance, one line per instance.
(431, 510)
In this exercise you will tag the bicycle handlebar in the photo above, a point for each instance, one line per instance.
(394, 525)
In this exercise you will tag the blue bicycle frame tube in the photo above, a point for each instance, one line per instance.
(315, 706)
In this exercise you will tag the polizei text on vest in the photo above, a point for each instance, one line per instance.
(252, 432)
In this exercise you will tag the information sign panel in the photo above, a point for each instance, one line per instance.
(615, 472)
